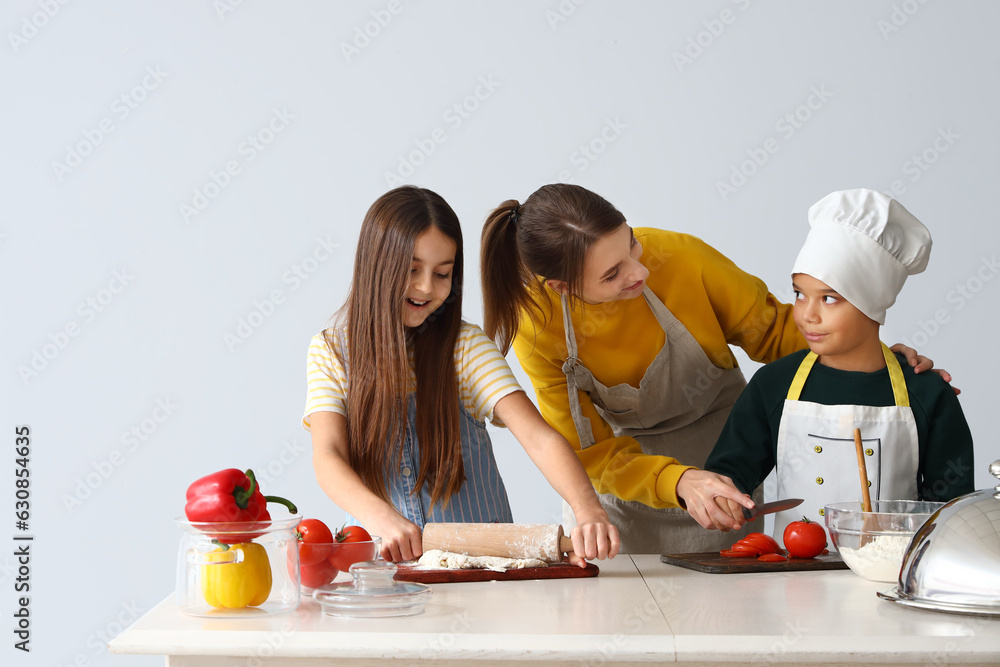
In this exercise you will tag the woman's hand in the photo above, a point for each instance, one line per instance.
(400, 537)
(593, 537)
(699, 490)
(920, 363)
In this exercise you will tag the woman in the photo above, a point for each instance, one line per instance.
(625, 335)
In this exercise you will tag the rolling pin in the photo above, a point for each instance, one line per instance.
(506, 540)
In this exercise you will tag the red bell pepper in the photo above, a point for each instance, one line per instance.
(231, 496)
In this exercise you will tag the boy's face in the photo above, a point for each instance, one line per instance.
(835, 329)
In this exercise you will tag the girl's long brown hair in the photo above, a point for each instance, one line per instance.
(545, 238)
(378, 344)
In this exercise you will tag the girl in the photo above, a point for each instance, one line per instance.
(625, 335)
(400, 388)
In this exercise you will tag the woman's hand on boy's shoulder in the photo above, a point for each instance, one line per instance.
(920, 363)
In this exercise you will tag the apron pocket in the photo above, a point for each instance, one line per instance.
(619, 420)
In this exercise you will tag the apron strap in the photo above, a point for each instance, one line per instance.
(899, 391)
(799, 381)
(583, 427)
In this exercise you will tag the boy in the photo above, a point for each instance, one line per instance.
(798, 414)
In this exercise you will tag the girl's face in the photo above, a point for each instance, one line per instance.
(835, 329)
(612, 271)
(430, 276)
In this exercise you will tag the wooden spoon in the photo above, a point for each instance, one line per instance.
(866, 498)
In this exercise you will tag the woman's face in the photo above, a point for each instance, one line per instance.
(611, 271)
(430, 276)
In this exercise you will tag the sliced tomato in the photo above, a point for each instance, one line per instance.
(731, 553)
(772, 558)
(765, 543)
(747, 549)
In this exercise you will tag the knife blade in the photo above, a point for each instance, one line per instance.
(768, 508)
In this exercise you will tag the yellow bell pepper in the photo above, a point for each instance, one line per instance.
(235, 585)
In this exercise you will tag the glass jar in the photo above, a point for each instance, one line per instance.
(238, 569)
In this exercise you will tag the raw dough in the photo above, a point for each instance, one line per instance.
(435, 559)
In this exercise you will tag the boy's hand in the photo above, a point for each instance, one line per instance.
(700, 491)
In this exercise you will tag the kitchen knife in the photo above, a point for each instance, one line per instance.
(767, 508)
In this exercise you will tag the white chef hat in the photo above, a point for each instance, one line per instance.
(863, 244)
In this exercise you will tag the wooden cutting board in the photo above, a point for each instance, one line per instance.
(713, 563)
(554, 571)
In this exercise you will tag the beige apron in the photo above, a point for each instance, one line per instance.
(678, 410)
(816, 457)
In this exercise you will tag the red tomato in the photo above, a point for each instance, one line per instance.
(352, 545)
(315, 540)
(319, 574)
(804, 539)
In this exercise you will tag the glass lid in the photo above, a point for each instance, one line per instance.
(373, 593)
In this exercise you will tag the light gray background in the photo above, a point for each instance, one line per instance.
(897, 80)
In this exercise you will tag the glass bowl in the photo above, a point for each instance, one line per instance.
(874, 543)
(320, 563)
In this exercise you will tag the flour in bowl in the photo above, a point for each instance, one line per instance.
(878, 560)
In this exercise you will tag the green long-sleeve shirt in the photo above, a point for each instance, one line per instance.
(747, 449)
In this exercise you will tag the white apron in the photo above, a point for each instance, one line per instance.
(816, 456)
(678, 410)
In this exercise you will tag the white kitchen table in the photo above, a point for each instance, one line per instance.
(637, 612)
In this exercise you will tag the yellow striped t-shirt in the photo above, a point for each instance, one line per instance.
(483, 374)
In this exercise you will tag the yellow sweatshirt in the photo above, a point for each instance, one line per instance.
(718, 303)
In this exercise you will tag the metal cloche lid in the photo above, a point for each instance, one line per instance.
(953, 561)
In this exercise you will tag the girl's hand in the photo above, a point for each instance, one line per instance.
(593, 537)
(921, 363)
(400, 538)
(699, 490)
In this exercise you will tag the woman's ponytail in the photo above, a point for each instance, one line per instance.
(505, 278)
